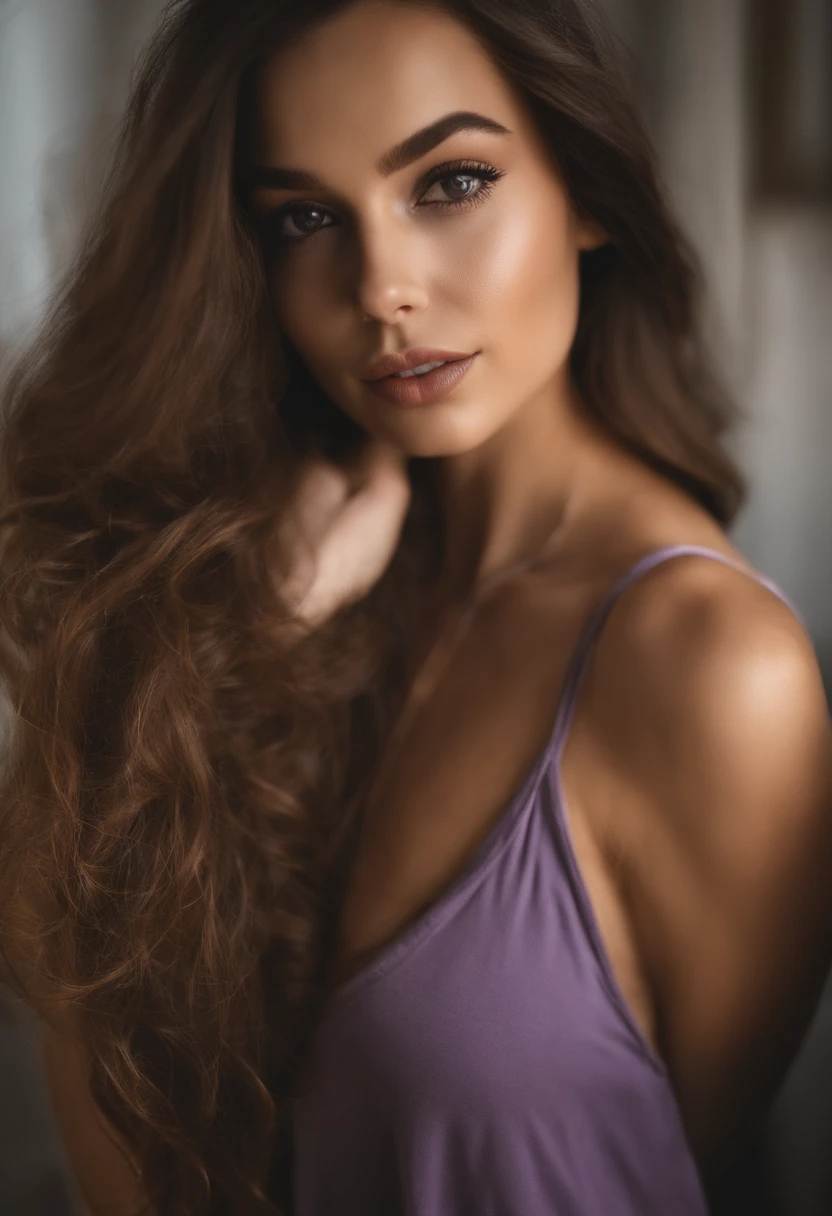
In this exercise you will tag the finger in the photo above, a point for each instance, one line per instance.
(371, 519)
(322, 489)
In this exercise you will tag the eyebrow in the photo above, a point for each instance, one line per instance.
(403, 154)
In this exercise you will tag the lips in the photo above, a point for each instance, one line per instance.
(405, 361)
(424, 389)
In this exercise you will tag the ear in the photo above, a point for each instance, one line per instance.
(589, 234)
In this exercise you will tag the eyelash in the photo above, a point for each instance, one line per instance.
(481, 169)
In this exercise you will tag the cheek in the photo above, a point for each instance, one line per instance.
(527, 281)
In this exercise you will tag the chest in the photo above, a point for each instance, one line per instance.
(484, 716)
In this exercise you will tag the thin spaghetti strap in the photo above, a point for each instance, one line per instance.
(579, 660)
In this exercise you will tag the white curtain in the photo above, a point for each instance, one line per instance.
(64, 67)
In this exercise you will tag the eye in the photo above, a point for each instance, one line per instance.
(307, 218)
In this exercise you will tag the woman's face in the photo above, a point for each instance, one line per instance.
(375, 259)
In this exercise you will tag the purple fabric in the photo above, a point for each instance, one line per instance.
(486, 1062)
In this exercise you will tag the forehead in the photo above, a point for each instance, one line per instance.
(370, 76)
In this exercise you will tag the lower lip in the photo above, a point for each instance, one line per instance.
(422, 390)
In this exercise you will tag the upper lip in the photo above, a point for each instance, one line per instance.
(405, 361)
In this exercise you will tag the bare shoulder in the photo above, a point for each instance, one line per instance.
(708, 704)
(711, 657)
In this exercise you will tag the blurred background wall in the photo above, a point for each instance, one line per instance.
(738, 96)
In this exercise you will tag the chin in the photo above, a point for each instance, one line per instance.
(417, 434)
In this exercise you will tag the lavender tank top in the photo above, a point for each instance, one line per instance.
(486, 1061)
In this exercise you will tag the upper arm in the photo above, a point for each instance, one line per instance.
(100, 1163)
(722, 739)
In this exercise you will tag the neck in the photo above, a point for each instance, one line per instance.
(522, 491)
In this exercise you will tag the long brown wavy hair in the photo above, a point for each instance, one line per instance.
(181, 771)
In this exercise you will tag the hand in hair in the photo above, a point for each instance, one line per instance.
(348, 522)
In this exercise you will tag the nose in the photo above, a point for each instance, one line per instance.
(391, 283)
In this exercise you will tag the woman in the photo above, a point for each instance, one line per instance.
(389, 818)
